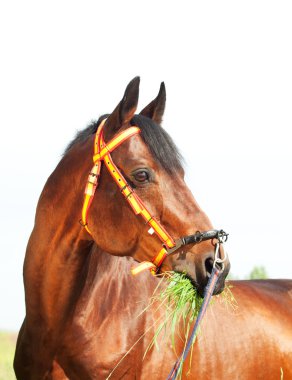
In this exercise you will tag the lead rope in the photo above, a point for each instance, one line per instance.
(208, 292)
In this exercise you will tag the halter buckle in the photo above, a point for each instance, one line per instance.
(82, 223)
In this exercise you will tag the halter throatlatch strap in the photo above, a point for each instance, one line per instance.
(102, 152)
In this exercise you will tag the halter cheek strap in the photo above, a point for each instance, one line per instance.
(102, 153)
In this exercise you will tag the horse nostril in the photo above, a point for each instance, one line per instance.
(209, 266)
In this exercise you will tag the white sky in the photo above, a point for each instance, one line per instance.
(227, 68)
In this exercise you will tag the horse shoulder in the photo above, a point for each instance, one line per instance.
(252, 337)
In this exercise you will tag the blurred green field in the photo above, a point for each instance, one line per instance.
(7, 348)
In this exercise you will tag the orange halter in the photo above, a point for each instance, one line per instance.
(102, 152)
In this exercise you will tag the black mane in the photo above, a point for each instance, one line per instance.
(154, 136)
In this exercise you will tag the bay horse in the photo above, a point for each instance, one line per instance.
(139, 154)
(109, 333)
(105, 333)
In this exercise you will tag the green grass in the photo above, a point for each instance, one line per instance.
(182, 304)
(7, 348)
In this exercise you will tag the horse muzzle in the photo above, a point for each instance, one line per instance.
(200, 273)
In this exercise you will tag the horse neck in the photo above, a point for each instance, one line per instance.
(108, 274)
(58, 247)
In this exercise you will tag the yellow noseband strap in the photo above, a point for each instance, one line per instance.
(102, 152)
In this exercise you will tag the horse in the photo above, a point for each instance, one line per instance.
(140, 185)
(113, 325)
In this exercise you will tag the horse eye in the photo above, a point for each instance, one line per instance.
(141, 176)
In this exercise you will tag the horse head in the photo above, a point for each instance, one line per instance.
(143, 171)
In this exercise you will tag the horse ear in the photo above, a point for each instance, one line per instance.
(155, 109)
(125, 110)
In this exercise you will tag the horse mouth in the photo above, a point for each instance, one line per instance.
(200, 288)
(194, 283)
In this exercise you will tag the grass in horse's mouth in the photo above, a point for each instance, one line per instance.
(179, 279)
(182, 303)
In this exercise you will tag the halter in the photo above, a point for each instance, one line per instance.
(102, 152)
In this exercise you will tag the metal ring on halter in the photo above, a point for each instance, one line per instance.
(218, 260)
(222, 236)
